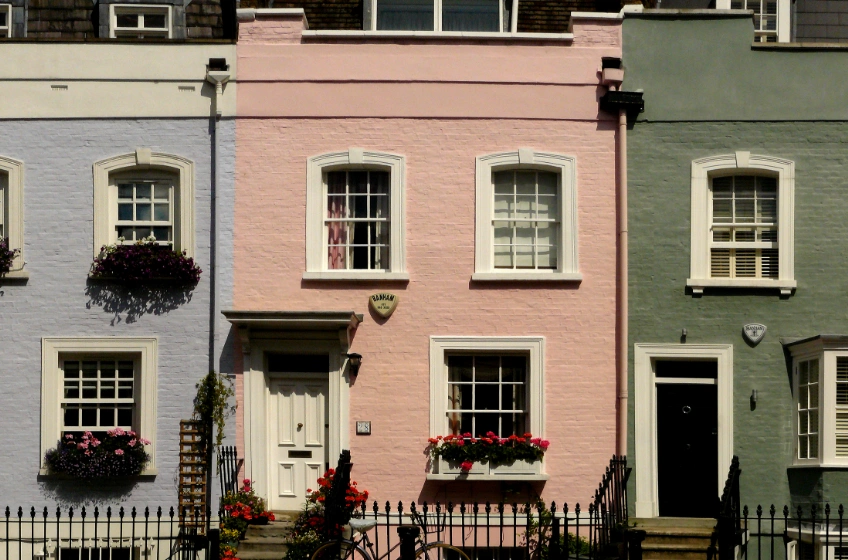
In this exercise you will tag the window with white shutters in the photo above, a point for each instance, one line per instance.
(744, 240)
(841, 435)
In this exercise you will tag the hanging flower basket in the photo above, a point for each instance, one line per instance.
(7, 256)
(145, 263)
(119, 453)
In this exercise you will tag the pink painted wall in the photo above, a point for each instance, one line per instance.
(440, 103)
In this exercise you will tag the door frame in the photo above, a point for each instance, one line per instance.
(257, 394)
(645, 413)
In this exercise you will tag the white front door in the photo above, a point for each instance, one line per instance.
(298, 432)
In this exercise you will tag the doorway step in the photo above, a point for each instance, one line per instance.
(267, 542)
(675, 538)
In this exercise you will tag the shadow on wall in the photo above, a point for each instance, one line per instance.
(129, 303)
(74, 492)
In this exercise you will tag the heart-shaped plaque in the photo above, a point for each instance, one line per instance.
(384, 303)
(754, 332)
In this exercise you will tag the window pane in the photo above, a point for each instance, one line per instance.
(125, 416)
(125, 191)
(107, 417)
(125, 212)
(459, 368)
(71, 416)
(142, 192)
(486, 368)
(409, 15)
(547, 183)
(470, 15)
(380, 182)
(89, 370)
(142, 212)
(89, 416)
(504, 206)
(525, 182)
(504, 182)
(162, 233)
(503, 256)
(3, 22)
(336, 182)
(71, 370)
(161, 212)
(154, 21)
(486, 397)
(486, 423)
(127, 20)
(514, 368)
(161, 192)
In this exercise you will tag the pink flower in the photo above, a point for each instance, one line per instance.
(132, 442)
(69, 436)
(88, 452)
(466, 466)
(544, 444)
(144, 441)
(119, 452)
(82, 446)
(535, 441)
(119, 431)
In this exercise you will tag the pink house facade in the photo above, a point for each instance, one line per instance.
(468, 179)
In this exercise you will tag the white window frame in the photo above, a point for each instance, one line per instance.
(566, 169)
(826, 350)
(316, 211)
(740, 163)
(145, 350)
(783, 20)
(6, 31)
(13, 207)
(142, 160)
(532, 346)
(140, 10)
(437, 19)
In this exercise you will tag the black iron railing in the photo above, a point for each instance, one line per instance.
(611, 504)
(103, 534)
(228, 468)
(729, 524)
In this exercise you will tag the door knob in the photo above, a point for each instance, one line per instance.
(299, 425)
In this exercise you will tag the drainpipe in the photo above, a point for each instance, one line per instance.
(626, 105)
(622, 269)
(217, 74)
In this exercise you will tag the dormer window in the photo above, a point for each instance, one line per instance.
(5, 20)
(440, 15)
(140, 21)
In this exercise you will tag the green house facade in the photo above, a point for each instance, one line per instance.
(738, 265)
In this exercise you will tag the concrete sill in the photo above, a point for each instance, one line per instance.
(488, 477)
(786, 287)
(575, 277)
(17, 276)
(440, 35)
(148, 473)
(820, 466)
(357, 276)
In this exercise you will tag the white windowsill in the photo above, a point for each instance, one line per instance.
(489, 477)
(15, 275)
(525, 276)
(480, 35)
(823, 465)
(698, 284)
(356, 275)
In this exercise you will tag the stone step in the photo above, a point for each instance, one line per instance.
(262, 544)
(275, 529)
(262, 555)
(672, 522)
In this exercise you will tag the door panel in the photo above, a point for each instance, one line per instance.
(687, 449)
(298, 429)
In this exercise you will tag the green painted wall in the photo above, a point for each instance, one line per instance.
(707, 92)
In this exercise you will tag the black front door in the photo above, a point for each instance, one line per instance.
(687, 449)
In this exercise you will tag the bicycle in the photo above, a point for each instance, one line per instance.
(350, 548)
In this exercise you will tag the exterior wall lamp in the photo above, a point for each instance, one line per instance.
(355, 361)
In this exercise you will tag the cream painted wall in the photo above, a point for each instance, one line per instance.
(106, 80)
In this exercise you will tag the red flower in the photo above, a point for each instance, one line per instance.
(466, 466)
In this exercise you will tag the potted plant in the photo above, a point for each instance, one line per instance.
(7, 256)
(118, 453)
(243, 508)
(145, 262)
(487, 455)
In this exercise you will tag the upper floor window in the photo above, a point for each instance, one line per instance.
(354, 216)
(12, 211)
(742, 223)
(140, 21)
(5, 20)
(358, 221)
(526, 217)
(771, 18)
(144, 194)
(744, 227)
(820, 390)
(441, 15)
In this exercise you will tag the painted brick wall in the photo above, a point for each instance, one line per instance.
(393, 387)
(659, 217)
(821, 21)
(58, 300)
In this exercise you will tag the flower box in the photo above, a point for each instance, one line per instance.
(485, 469)
(146, 263)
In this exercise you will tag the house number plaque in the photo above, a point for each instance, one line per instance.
(363, 427)
(754, 332)
(383, 303)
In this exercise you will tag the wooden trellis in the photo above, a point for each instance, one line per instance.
(192, 482)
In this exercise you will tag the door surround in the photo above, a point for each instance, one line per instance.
(645, 416)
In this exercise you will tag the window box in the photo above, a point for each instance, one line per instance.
(518, 470)
(146, 263)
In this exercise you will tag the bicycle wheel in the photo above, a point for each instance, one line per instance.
(341, 550)
(440, 551)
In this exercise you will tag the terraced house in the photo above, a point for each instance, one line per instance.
(736, 169)
(111, 130)
(425, 245)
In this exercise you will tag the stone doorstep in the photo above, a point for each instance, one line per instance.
(669, 538)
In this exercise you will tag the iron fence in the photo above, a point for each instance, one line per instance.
(228, 467)
(104, 534)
